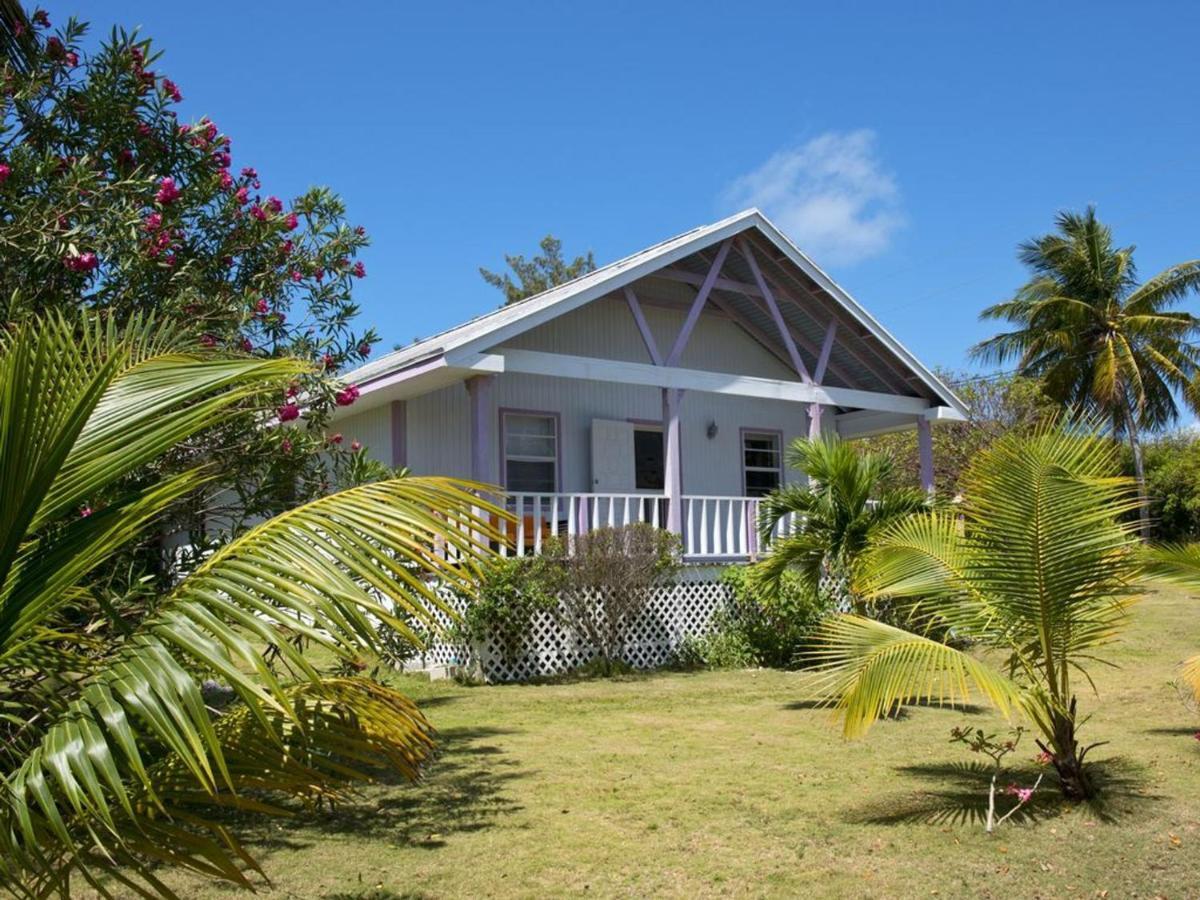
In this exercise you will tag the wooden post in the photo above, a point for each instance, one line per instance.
(483, 414)
(673, 473)
(925, 451)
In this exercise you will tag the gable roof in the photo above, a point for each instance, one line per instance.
(494, 327)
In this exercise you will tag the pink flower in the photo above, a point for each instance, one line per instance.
(257, 212)
(153, 222)
(347, 395)
(55, 48)
(288, 411)
(167, 191)
(360, 231)
(169, 259)
(355, 446)
(207, 340)
(71, 58)
(84, 512)
(249, 172)
(246, 345)
(292, 389)
(286, 446)
(143, 129)
(274, 204)
(243, 195)
(327, 360)
(1044, 758)
(1023, 795)
(261, 306)
(296, 276)
(222, 159)
(1197, 735)
(335, 438)
(320, 275)
(226, 180)
(291, 221)
(82, 262)
(171, 89)
(41, 18)
(364, 348)
(5, 171)
(359, 270)
(286, 247)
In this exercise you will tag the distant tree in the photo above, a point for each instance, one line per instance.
(1102, 344)
(540, 273)
(998, 405)
(1173, 486)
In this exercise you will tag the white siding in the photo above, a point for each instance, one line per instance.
(606, 329)
(372, 429)
(439, 433)
(438, 423)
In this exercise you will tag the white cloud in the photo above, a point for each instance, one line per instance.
(832, 196)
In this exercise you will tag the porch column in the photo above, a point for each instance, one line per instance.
(483, 417)
(814, 421)
(672, 471)
(925, 452)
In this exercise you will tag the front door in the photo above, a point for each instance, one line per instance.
(613, 469)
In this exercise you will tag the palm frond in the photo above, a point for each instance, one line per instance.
(867, 667)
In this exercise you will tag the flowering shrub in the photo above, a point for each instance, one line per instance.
(978, 741)
(110, 200)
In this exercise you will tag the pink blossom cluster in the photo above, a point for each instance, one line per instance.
(1021, 793)
(81, 262)
(347, 395)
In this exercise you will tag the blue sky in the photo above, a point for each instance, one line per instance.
(908, 147)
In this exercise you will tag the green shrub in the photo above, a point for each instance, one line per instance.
(512, 592)
(757, 631)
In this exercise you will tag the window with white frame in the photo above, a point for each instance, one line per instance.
(530, 453)
(762, 462)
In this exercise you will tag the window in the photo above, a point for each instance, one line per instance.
(649, 461)
(762, 465)
(530, 453)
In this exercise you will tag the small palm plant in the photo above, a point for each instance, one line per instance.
(1041, 569)
(836, 514)
(112, 759)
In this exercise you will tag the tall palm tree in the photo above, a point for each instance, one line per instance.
(1039, 572)
(1101, 343)
(111, 758)
(836, 513)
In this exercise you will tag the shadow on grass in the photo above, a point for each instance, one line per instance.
(957, 795)
(1176, 731)
(463, 791)
(900, 714)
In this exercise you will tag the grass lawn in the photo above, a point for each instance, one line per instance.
(729, 783)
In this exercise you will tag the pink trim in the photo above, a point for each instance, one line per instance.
(558, 450)
(742, 432)
(797, 362)
(413, 371)
(698, 304)
(826, 349)
(647, 335)
(479, 388)
(399, 433)
(925, 452)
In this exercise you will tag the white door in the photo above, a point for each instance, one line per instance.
(612, 457)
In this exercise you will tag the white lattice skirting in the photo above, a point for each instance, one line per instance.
(676, 611)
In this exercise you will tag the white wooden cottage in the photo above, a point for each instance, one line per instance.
(661, 388)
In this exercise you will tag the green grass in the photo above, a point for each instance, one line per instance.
(730, 784)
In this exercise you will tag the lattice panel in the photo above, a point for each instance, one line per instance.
(650, 640)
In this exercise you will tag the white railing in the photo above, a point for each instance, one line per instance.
(712, 527)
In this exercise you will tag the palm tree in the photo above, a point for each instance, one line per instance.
(1180, 564)
(113, 760)
(836, 513)
(1041, 570)
(1101, 343)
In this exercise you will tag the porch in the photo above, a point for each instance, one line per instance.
(711, 528)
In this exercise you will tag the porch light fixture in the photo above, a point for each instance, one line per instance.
(711, 430)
